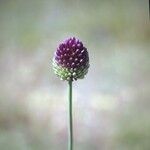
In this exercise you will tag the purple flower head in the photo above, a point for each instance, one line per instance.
(71, 60)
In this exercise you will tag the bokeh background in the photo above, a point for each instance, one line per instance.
(111, 105)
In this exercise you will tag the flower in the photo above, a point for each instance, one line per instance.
(71, 60)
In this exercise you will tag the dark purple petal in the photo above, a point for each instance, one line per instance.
(72, 54)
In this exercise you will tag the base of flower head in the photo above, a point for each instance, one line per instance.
(71, 74)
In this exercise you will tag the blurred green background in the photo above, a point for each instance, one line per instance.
(111, 105)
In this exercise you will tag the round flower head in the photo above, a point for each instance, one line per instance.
(71, 60)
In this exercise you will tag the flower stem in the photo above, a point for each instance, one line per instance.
(70, 127)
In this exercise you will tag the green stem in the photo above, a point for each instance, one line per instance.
(70, 131)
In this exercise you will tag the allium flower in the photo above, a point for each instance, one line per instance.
(71, 60)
